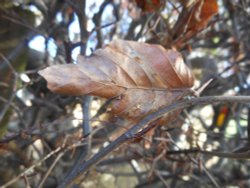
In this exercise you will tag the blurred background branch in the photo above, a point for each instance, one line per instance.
(44, 137)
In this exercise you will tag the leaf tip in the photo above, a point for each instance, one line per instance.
(42, 73)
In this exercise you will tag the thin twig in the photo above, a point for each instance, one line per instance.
(241, 155)
(97, 22)
(102, 109)
(86, 115)
(86, 133)
(62, 149)
(12, 96)
(31, 168)
(135, 167)
(161, 178)
(50, 169)
(128, 135)
(209, 175)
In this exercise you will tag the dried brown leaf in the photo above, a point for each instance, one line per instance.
(142, 77)
(149, 5)
(193, 19)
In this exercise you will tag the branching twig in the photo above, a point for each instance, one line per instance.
(85, 150)
(31, 168)
(60, 150)
(59, 156)
(97, 21)
(212, 179)
(128, 135)
(12, 96)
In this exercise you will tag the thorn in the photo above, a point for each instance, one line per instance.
(202, 88)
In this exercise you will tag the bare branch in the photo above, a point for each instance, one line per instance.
(130, 134)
